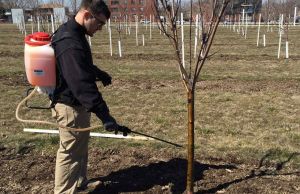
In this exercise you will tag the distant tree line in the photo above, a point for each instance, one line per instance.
(272, 9)
(33, 4)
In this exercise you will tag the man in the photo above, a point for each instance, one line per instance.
(76, 95)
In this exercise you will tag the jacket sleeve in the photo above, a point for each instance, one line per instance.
(81, 79)
(98, 72)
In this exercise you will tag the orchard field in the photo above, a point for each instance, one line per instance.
(247, 117)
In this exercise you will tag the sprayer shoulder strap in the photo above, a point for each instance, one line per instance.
(65, 35)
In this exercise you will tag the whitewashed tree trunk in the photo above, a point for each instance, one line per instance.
(196, 36)
(150, 28)
(136, 31)
(143, 39)
(258, 30)
(295, 16)
(31, 24)
(120, 49)
(52, 23)
(182, 40)
(38, 23)
(287, 49)
(110, 40)
(279, 45)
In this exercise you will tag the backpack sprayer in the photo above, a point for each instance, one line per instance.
(40, 70)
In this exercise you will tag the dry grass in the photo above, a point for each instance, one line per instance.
(247, 102)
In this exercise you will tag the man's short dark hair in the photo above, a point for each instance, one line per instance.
(96, 7)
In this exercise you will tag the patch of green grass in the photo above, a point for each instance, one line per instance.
(22, 143)
(135, 144)
(272, 109)
(44, 141)
(207, 131)
(178, 111)
(233, 131)
(159, 120)
(295, 138)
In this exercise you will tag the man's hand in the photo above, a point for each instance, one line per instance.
(113, 126)
(125, 130)
(110, 124)
(105, 78)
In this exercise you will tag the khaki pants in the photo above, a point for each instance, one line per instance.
(72, 154)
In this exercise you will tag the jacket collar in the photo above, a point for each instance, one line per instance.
(76, 27)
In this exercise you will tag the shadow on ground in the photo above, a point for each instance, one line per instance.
(172, 176)
(261, 171)
(141, 178)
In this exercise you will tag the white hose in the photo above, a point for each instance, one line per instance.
(104, 135)
(136, 137)
(47, 122)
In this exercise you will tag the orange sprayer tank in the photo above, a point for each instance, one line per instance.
(39, 60)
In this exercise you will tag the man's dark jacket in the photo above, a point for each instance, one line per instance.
(76, 74)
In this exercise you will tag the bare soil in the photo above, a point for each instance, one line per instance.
(147, 171)
(18, 79)
(11, 54)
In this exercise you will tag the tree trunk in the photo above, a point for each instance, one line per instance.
(190, 157)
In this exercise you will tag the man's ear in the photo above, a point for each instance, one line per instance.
(86, 14)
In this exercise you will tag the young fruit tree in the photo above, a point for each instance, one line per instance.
(190, 71)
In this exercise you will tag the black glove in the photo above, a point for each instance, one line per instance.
(105, 78)
(111, 126)
(109, 123)
(102, 112)
(125, 130)
(102, 76)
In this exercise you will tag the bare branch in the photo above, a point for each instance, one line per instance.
(172, 35)
(210, 40)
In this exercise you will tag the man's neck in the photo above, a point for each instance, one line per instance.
(79, 18)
